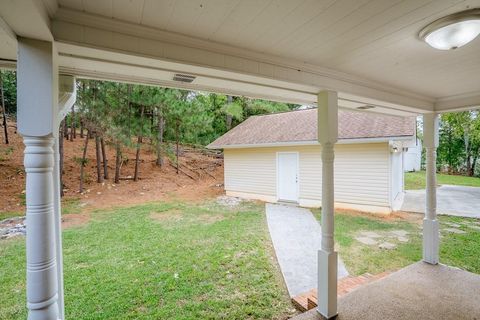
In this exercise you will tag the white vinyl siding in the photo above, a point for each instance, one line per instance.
(251, 171)
(362, 172)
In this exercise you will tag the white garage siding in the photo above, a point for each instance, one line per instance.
(251, 173)
(362, 175)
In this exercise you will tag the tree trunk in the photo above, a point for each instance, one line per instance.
(117, 162)
(469, 166)
(81, 129)
(177, 138)
(139, 142)
(161, 129)
(65, 128)
(60, 155)
(228, 117)
(71, 125)
(99, 161)
(73, 130)
(4, 109)
(84, 157)
(472, 169)
(104, 158)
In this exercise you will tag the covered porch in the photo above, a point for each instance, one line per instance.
(50, 43)
(421, 291)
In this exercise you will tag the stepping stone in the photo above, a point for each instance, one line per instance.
(399, 233)
(387, 246)
(366, 240)
(402, 239)
(370, 234)
(474, 227)
(454, 230)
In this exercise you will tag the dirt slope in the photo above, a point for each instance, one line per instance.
(155, 183)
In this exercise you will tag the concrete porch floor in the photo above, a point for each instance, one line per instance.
(419, 291)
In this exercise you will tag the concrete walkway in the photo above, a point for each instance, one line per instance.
(419, 291)
(451, 200)
(296, 237)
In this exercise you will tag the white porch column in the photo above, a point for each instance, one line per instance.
(327, 257)
(431, 237)
(37, 91)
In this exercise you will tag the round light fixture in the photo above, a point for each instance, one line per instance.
(453, 31)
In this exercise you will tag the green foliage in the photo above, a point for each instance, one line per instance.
(81, 161)
(234, 109)
(9, 82)
(459, 147)
(114, 111)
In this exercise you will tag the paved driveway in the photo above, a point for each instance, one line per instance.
(451, 200)
(296, 237)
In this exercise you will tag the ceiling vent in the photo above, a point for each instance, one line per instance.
(365, 107)
(183, 77)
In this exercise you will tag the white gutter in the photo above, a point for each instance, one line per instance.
(67, 94)
(311, 143)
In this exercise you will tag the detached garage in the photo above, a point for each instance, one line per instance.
(277, 157)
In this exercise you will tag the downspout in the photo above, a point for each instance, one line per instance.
(67, 96)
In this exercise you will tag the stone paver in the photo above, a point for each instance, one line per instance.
(370, 234)
(400, 233)
(387, 245)
(296, 237)
(451, 200)
(366, 240)
(474, 227)
(402, 239)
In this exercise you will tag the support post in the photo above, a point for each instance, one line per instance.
(431, 237)
(327, 257)
(37, 92)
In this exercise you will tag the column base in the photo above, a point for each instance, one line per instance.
(431, 240)
(327, 283)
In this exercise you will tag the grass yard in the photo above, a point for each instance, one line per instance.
(161, 261)
(458, 250)
(206, 261)
(416, 180)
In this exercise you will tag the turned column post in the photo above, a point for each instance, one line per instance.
(431, 236)
(42, 289)
(37, 96)
(327, 257)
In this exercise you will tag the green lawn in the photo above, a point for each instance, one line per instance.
(161, 261)
(179, 261)
(416, 180)
(458, 250)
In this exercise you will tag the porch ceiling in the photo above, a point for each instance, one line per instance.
(376, 39)
(368, 50)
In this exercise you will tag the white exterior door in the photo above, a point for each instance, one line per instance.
(287, 176)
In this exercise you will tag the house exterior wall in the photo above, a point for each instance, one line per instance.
(413, 157)
(362, 175)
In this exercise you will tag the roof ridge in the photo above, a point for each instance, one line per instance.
(281, 112)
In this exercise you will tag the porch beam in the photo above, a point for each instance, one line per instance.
(431, 237)
(327, 257)
(37, 91)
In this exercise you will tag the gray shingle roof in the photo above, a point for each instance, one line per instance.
(301, 125)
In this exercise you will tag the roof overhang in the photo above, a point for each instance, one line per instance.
(311, 143)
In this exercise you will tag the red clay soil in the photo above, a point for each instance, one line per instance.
(155, 183)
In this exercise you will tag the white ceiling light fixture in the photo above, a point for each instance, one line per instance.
(453, 31)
